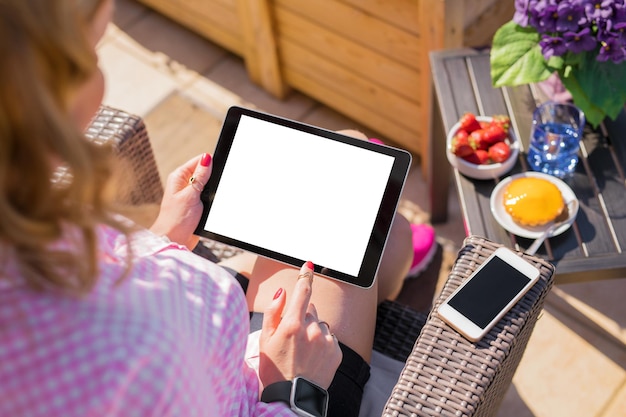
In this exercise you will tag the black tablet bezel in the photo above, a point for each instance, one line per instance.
(386, 212)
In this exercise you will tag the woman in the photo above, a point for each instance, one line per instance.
(99, 317)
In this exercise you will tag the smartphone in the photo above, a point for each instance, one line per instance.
(488, 294)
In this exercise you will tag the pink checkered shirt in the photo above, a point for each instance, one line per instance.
(169, 340)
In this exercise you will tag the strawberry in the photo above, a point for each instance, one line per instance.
(483, 156)
(499, 152)
(469, 123)
(502, 120)
(460, 144)
(479, 157)
(479, 139)
(495, 133)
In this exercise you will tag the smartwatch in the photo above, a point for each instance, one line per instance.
(303, 396)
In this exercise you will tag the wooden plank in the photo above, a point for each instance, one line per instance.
(359, 27)
(218, 22)
(181, 118)
(611, 199)
(404, 137)
(591, 269)
(489, 99)
(479, 28)
(468, 84)
(521, 105)
(325, 73)
(261, 55)
(441, 23)
(350, 55)
(436, 166)
(476, 8)
(401, 13)
(461, 85)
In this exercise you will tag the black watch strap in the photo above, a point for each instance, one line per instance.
(278, 391)
(301, 395)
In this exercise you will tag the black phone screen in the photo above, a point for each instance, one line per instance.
(489, 291)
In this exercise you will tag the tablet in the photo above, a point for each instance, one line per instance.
(295, 192)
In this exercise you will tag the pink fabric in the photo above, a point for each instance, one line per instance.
(168, 340)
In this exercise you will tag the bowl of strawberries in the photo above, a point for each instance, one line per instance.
(482, 147)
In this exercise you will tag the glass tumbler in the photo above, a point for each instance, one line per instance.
(555, 137)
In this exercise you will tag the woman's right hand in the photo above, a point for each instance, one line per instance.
(293, 341)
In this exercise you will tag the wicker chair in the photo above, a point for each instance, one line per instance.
(444, 374)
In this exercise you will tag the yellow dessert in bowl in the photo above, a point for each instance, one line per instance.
(532, 201)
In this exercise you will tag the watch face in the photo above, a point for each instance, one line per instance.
(309, 398)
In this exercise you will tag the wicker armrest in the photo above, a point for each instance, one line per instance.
(127, 133)
(447, 375)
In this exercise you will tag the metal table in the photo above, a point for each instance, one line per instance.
(592, 249)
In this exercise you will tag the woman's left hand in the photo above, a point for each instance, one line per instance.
(181, 207)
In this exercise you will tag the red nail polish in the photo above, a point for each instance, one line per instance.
(310, 265)
(278, 293)
(206, 160)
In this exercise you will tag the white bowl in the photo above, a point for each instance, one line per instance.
(485, 171)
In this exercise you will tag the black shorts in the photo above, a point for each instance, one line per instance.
(346, 391)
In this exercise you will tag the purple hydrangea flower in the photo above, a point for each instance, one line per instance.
(620, 31)
(598, 9)
(570, 15)
(612, 50)
(552, 46)
(577, 42)
(619, 11)
(577, 26)
(521, 12)
(544, 18)
(604, 30)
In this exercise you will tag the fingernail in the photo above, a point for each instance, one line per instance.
(278, 293)
(206, 160)
(378, 141)
(310, 265)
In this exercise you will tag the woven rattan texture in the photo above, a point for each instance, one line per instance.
(397, 328)
(447, 375)
(127, 134)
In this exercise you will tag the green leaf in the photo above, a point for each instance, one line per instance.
(597, 88)
(593, 113)
(556, 63)
(516, 57)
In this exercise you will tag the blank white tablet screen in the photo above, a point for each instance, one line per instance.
(299, 194)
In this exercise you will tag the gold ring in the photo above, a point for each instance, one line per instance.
(308, 275)
(196, 184)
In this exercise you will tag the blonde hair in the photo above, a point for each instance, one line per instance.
(46, 55)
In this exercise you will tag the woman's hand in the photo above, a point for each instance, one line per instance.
(181, 207)
(293, 341)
